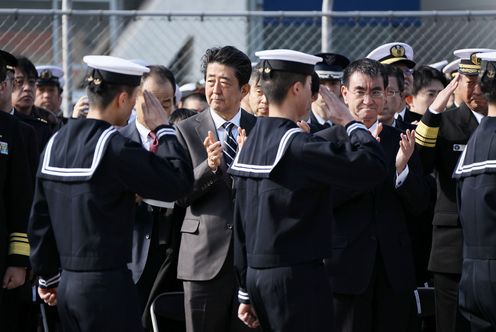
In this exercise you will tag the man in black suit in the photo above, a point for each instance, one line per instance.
(441, 137)
(371, 268)
(154, 236)
(206, 252)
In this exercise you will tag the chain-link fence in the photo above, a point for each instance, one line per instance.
(178, 40)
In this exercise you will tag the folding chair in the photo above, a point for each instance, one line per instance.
(424, 297)
(169, 306)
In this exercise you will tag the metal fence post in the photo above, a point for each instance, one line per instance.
(326, 25)
(67, 57)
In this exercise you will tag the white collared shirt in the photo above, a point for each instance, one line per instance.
(400, 178)
(218, 121)
(144, 132)
(478, 116)
(320, 120)
(402, 113)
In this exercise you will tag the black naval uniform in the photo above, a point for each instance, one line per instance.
(82, 217)
(40, 125)
(440, 140)
(15, 196)
(282, 217)
(476, 174)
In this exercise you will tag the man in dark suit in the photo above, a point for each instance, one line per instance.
(206, 252)
(371, 268)
(441, 137)
(154, 240)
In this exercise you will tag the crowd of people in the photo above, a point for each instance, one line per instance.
(301, 193)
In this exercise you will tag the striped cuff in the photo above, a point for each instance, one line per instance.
(354, 125)
(49, 283)
(243, 296)
(166, 131)
(19, 244)
(425, 135)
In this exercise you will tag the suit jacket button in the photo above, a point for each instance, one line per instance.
(229, 226)
(147, 236)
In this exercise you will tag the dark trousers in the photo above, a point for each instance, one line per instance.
(378, 309)
(292, 298)
(448, 316)
(478, 294)
(212, 305)
(98, 301)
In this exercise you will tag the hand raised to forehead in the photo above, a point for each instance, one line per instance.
(439, 104)
(153, 112)
(335, 109)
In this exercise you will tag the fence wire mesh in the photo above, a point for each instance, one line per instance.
(178, 40)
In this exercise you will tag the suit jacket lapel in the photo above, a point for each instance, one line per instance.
(468, 122)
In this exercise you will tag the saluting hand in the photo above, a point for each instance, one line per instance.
(214, 151)
(407, 145)
(153, 112)
(439, 104)
(336, 111)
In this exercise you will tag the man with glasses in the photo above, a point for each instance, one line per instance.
(400, 55)
(441, 138)
(23, 94)
(371, 267)
(394, 99)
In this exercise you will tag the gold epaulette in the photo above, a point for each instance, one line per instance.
(425, 135)
(19, 244)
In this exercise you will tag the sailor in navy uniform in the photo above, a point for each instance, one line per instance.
(283, 179)
(441, 137)
(81, 220)
(476, 175)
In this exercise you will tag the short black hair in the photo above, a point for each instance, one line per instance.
(396, 73)
(488, 84)
(229, 56)
(276, 86)
(180, 114)
(102, 93)
(162, 73)
(315, 83)
(367, 67)
(424, 75)
(27, 67)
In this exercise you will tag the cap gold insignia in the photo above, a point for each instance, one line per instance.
(474, 59)
(95, 81)
(46, 74)
(398, 51)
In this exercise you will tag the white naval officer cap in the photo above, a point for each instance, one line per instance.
(395, 52)
(50, 75)
(438, 65)
(488, 64)
(111, 69)
(286, 60)
(451, 68)
(469, 63)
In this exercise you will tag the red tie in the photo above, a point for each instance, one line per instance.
(154, 144)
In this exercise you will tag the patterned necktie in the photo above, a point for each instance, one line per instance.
(154, 143)
(230, 144)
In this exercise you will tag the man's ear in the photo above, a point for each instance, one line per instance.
(409, 101)
(344, 93)
(122, 98)
(245, 89)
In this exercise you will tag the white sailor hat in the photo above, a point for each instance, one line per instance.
(488, 64)
(470, 64)
(439, 65)
(110, 69)
(396, 52)
(451, 68)
(50, 75)
(332, 66)
(286, 60)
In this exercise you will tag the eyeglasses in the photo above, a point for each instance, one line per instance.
(392, 93)
(373, 94)
(407, 72)
(19, 82)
